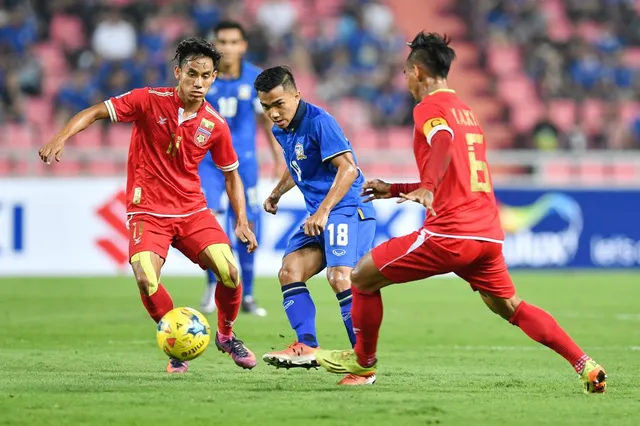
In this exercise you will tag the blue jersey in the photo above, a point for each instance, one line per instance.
(309, 143)
(237, 101)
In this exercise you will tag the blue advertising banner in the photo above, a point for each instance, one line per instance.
(545, 229)
(570, 228)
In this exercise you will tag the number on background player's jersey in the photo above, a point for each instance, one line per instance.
(228, 107)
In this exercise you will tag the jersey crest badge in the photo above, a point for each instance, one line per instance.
(299, 150)
(201, 137)
(244, 92)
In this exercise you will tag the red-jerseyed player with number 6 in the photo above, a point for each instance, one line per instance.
(461, 233)
(174, 128)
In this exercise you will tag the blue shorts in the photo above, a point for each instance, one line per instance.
(213, 186)
(345, 240)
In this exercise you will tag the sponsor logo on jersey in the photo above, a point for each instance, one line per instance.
(339, 252)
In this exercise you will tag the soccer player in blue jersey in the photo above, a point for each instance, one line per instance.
(233, 95)
(341, 227)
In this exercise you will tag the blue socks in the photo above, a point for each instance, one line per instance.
(246, 266)
(344, 299)
(301, 312)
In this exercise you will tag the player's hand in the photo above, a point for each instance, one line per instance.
(271, 203)
(376, 190)
(315, 224)
(51, 150)
(246, 235)
(420, 196)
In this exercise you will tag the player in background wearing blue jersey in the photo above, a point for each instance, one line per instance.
(341, 227)
(233, 95)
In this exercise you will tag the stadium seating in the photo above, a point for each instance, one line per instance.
(490, 75)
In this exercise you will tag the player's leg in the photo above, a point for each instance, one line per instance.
(303, 259)
(213, 187)
(246, 259)
(346, 239)
(202, 240)
(491, 278)
(149, 242)
(359, 365)
(399, 260)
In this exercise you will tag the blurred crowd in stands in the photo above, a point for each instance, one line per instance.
(343, 48)
(581, 57)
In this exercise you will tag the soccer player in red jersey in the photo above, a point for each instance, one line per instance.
(461, 233)
(174, 128)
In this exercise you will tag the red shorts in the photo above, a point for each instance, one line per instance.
(190, 234)
(421, 255)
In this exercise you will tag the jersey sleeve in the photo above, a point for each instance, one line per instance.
(222, 152)
(329, 136)
(127, 107)
(430, 120)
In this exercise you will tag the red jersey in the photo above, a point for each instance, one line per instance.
(166, 148)
(464, 201)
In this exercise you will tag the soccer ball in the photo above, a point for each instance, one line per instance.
(183, 333)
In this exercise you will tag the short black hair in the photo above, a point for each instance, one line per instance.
(195, 47)
(432, 51)
(271, 78)
(230, 25)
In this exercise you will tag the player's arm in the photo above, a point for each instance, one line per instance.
(334, 148)
(78, 123)
(440, 137)
(125, 108)
(285, 184)
(226, 160)
(346, 175)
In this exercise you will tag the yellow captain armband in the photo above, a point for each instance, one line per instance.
(147, 266)
(222, 257)
(433, 126)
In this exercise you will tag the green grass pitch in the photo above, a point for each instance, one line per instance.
(82, 352)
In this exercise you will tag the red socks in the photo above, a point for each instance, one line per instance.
(366, 313)
(158, 304)
(228, 301)
(543, 328)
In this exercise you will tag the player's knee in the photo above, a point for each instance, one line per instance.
(356, 278)
(224, 264)
(339, 279)
(144, 273)
(288, 275)
(504, 307)
(144, 284)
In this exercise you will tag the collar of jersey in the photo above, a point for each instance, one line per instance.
(442, 91)
(297, 119)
